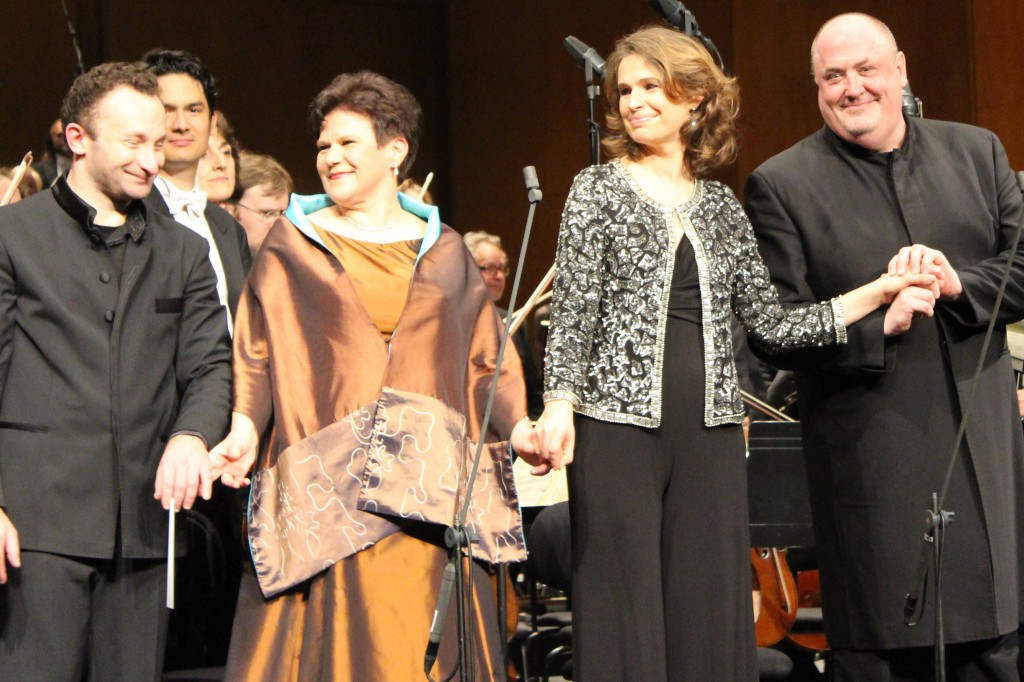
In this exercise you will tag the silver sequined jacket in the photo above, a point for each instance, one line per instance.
(610, 305)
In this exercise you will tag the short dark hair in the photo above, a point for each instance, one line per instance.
(164, 62)
(391, 108)
(88, 89)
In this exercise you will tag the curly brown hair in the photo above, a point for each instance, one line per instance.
(686, 70)
(88, 89)
(391, 108)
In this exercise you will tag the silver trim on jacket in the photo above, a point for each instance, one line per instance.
(613, 276)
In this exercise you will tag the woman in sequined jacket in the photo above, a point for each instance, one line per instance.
(652, 260)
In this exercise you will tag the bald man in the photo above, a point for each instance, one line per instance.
(874, 190)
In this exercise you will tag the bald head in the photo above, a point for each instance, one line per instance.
(856, 23)
(860, 76)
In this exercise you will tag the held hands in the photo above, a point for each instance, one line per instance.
(554, 436)
(10, 550)
(183, 473)
(232, 458)
(522, 443)
(921, 259)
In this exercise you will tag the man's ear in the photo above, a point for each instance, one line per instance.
(75, 134)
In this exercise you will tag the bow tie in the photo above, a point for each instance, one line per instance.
(178, 201)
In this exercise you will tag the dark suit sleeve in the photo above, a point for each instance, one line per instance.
(203, 363)
(981, 281)
(783, 252)
(8, 305)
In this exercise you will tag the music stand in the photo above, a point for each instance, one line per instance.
(780, 509)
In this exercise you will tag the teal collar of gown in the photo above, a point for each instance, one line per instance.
(302, 205)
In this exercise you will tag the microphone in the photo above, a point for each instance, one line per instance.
(911, 104)
(677, 15)
(584, 54)
(444, 596)
(533, 193)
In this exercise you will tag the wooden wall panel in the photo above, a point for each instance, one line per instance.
(998, 60)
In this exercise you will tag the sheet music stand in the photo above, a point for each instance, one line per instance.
(780, 511)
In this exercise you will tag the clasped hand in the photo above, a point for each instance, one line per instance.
(913, 301)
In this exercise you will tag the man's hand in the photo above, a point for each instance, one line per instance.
(908, 304)
(10, 550)
(232, 458)
(184, 471)
(922, 259)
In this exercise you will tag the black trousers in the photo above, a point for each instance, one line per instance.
(70, 618)
(989, 660)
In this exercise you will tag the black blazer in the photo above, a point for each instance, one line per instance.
(98, 371)
(230, 238)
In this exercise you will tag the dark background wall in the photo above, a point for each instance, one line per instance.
(499, 90)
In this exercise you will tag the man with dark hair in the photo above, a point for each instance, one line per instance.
(189, 94)
(875, 189)
(115, 377)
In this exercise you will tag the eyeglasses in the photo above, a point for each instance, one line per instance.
(494, 269)
(272, 214)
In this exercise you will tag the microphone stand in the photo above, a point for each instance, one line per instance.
(457, 536)
(593, 65)
(593, 132)
(937, 518)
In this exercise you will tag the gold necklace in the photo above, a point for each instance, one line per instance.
(359, 226)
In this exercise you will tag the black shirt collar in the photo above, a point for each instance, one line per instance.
(860, 152)
(85, 215)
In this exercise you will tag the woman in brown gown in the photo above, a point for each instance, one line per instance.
(365, 347)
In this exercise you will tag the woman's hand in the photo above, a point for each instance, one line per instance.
(922, 259)
(883, 291)
(554, 434)
(522, 442)
(232, 458)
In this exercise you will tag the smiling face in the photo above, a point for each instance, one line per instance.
(493, 264)
(188, 119)
(651, 118)
(258, 209)
(860, 76)
(352, 167)
(122, 155)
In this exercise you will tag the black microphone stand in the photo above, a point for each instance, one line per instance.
(937, 518)
(593, 66)
(594, 131)
(457, 537)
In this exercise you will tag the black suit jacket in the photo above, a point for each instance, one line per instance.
(230, 238)
(97, 371)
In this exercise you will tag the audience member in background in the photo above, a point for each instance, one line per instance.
(202, 624)
(492, 260)
(411, 188)
(263, 190)
(189, 94)
(218, 169)
(56, 160)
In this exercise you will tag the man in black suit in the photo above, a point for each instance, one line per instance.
(115, 378)
(189, 94)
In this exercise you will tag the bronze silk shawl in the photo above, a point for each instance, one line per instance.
(358, 437)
